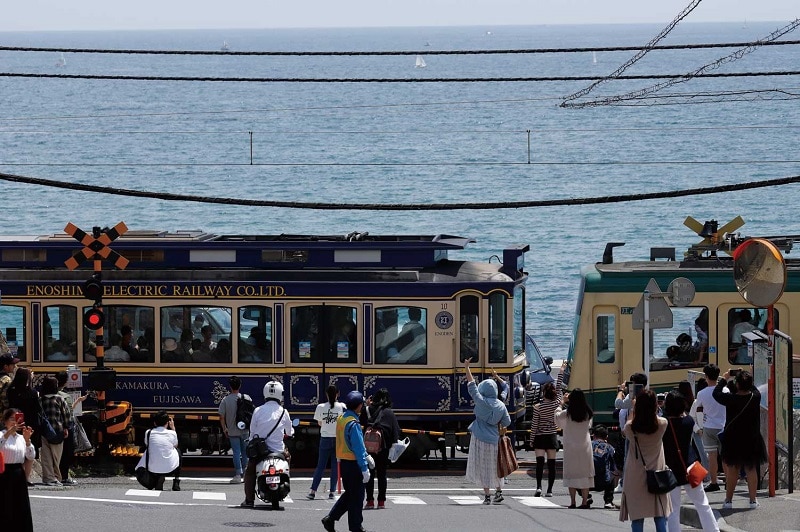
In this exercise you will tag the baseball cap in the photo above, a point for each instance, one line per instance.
(353, 399)
(5, 360)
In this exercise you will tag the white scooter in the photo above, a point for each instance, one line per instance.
(272, 476)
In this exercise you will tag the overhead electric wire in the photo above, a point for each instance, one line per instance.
(393, 80)
(399, 206)
(506, 51)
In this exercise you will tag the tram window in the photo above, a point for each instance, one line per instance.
(12, 319)
(606, 339)
(685, 345)
(468, 333)
(255, 334)
(129, 327)
(744, 320)
(401, 335)
(497, 328)
(60, 333)
(323, 332)
(196, 334)
(519, 320)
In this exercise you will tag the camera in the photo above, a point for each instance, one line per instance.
(661, 397)
(734, 372)
(19, 418)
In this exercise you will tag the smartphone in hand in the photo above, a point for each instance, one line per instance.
(19, 418)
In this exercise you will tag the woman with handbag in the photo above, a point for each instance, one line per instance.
(482, 459)
(742, 443)
(645, 431)
(23, 397)
(574, 417)
(677, 442)
(378, 413)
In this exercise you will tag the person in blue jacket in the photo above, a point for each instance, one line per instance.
(354, 466)
(482, 459)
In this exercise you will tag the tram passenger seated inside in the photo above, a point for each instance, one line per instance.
(115, 353)
(144, 346)
(411, 343)
(170, 351)
(60, 353)
(684, 352)
(222, 353)
(200, 353)
(255, 348)
(738, 351)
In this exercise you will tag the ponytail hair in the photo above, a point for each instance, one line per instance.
(332, 392)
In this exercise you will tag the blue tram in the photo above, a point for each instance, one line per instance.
(359, 311)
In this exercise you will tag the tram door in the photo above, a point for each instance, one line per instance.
(607, 357)
(469, 330)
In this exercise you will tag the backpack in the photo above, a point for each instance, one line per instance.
(244, 410)
(373, 440)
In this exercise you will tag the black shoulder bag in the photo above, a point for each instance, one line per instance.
(257, 446)
(143, 474)
(659, 481)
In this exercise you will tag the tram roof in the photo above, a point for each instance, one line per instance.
(148, 249)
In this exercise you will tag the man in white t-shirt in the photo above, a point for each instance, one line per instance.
(162, 447)
(713, 422)
(326, 415)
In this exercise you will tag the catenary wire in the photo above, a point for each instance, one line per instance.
(166, 196)
(507, 51)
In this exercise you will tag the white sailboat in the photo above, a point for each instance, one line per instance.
(225, 46)
(594, 57)
(62, 61)
(420, 62)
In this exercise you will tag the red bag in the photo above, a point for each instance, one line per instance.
(373, 440)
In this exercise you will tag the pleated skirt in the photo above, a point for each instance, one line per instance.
(482, 464)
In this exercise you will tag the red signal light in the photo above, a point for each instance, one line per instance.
(93, 319)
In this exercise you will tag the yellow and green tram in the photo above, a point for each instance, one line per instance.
(608, 344)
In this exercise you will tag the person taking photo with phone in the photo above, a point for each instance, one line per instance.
(15, 448)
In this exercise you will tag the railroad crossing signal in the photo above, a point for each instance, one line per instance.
(96, 245)
(93, 319)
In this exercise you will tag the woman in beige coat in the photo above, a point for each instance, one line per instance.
(648, 429)
(575, 419)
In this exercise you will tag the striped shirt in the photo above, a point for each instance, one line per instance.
(544, 414)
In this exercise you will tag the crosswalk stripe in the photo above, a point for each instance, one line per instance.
(538, 502)
(466, 499)
(143, 493)
(405, 499)
(209, 496)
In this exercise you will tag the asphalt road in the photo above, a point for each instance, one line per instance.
(417, 501)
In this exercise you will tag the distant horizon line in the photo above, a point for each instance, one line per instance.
(401, 26)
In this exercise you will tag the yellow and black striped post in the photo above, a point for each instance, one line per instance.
(96, 248)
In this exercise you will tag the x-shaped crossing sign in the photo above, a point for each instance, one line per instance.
(96, 247)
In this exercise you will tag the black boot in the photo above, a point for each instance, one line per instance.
(159, 483)
(176, 484)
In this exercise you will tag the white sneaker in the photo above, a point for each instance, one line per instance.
(753, 505)
(618, 489)
(237, 479)
(727, 505)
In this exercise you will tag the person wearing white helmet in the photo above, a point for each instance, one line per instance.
(272, 422)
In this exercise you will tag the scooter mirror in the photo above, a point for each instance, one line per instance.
(295, 422)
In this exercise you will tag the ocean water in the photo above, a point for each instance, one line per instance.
(402, 142)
